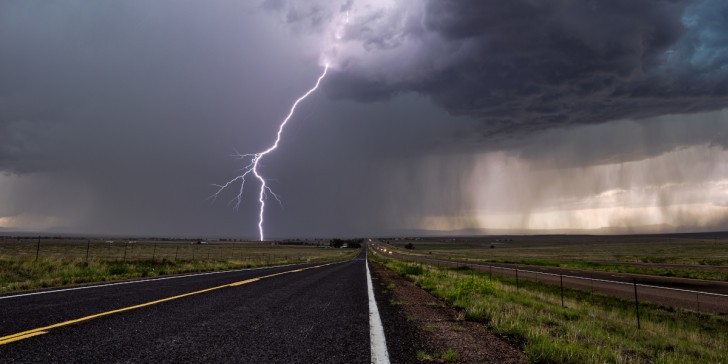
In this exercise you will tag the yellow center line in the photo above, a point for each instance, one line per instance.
(3, 342)
(244, 282)
(42, 330)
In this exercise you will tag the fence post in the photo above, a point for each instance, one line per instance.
(125, 246)
(697, 300)
(154, 251)
(208, 253)
(194, 248)
(517, 285)
(37, 249)
(88, 246)
(636, 303)
(561, 276)
(176, 251)
(490, 273)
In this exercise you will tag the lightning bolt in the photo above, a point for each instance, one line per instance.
(253, 160)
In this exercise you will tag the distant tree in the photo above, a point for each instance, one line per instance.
(351, 243)
(410, 246)
(336, 243)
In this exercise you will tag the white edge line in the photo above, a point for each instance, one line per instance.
(146, 280)
(376, 330)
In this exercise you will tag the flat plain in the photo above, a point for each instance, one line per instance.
(31, 263)
(553, 324)
(699, 256)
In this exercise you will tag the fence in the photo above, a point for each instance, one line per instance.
(697, 300)
(38, 249)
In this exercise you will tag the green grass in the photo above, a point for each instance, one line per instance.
(686, 272)
(696, 249)
(686, 256)
(447, 356)
(24, 275)
(61, 264)
(591, 328)
(656, 271)
(423, 356)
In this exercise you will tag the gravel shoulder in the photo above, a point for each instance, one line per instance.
(416, 321)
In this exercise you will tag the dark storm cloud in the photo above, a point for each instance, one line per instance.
(524, 65)
(120, 77)
(116, 117)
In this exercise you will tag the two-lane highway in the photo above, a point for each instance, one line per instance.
(293, 314)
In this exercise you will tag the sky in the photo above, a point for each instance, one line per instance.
(436, 116)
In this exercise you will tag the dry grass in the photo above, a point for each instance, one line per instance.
(67, 262)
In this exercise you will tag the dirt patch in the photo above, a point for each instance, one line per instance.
(447, 336)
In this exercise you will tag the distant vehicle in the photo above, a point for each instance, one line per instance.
(201, 242)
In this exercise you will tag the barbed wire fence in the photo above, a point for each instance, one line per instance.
(689, 299)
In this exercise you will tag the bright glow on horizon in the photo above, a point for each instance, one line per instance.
(685, 189)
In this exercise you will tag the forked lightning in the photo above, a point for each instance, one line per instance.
(254, 161)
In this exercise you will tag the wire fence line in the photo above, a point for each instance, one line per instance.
(676, 297)
(141, 250)
(697, 300)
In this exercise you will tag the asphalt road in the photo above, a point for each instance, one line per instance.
(314, 315)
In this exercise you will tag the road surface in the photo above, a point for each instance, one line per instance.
(309, 313)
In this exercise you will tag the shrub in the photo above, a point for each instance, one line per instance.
(412, 270)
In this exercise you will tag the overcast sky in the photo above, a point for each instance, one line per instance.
(118, 117)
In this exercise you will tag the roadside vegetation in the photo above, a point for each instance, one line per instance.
(683, 272)
(683, 257)
(24, 275)
(590, 328)
(62, 264)
(446, 356)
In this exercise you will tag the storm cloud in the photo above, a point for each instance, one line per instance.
(528, 65)
(117, 117)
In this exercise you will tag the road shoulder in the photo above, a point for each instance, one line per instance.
(422, 328)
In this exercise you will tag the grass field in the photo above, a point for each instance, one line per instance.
(28, 248)
(590, 328)
(67, 262)
(701, 256)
